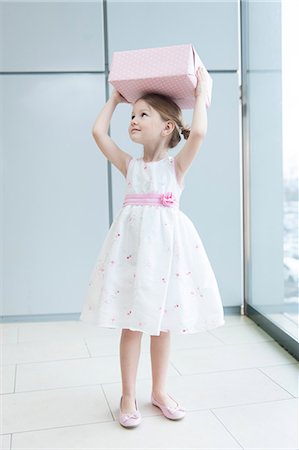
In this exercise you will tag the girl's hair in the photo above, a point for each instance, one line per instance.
(168, 110)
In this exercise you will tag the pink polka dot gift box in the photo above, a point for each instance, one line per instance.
(164, 70)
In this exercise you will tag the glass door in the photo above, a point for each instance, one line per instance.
(270, 99)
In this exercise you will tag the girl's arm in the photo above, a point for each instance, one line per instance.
(199, 124)
(102, 122)
(198, 130)
(100, 128)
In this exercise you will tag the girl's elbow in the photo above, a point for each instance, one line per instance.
(200, 134)
(96, 132)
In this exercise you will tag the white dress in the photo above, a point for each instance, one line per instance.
(152, 273)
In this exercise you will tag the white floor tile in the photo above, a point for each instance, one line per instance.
(54, 408)
(77, 372)
(236, 319)
(7, 377)
(8, 334)
(205, 391)
(103, 346)
(43, 351)
(286, 376)
(198, 430)
(196, 340)
(68, 387)
(5, 441)
(228, 357)
(272, 425)
(36, 331)
(241, 334)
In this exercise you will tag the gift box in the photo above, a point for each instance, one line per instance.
(163, 70)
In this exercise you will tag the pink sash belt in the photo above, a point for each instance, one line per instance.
(167, 199)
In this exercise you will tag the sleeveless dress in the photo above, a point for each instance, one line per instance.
(152, 273)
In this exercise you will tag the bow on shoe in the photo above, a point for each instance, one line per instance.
(167, 199)
(175, 408)
(130, 416)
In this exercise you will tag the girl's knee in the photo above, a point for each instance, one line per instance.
(161, 335)
(132, 333)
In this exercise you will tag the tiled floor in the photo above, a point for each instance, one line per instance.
(61, 387)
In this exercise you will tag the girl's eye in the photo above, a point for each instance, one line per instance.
(134, 116)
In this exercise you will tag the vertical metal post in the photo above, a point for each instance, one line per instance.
(245, 152)
(106, 53)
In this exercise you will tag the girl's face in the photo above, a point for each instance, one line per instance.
(146, 123)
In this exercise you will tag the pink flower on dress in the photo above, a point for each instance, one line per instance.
(167, 199)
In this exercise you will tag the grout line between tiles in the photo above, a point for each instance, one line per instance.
(252, 404)
(243, 344)
(108, 404)
(144, 418)
(71, 387)
(223, 424)
(101, 422)
(229, 370)
(138, 380)
(86, 346)
(57, 360)
(52, 389)
(274, 381)
(171, 364)
(59, 427)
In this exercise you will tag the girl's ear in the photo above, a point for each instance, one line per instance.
(169, 127)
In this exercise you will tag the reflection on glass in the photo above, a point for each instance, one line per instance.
(272, 48)
(290, 102)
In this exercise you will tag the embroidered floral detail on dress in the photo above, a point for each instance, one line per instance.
(200, 293)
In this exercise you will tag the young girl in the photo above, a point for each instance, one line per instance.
(152, 274)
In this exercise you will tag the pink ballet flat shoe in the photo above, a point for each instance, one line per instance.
(129, 420)
(173, 413)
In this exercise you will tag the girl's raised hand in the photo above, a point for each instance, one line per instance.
(201, 87)
(118, 97)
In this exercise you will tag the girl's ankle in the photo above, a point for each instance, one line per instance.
(159, 393)
(129, 396)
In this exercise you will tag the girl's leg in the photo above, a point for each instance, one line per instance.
(130, 345)
(160, 351)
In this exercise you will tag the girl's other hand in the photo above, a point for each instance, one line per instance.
(118, 97)
(201, 87)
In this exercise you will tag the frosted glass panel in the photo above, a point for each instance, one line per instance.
(211, 26)
(51, 36)
(55, 191)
